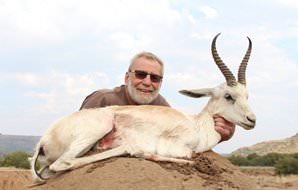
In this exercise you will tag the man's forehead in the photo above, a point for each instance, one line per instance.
(144, 63)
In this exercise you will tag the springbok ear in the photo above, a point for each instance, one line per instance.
(198, 93)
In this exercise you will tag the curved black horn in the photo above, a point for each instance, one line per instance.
(230, 79)
(242, 67)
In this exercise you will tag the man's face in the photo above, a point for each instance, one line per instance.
(143, 91)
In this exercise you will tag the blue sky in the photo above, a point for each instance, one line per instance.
(54, 53)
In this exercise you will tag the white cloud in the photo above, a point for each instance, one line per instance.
(29, 79)
(209, 12)
(39, 22)
(290, 3)
(205, 35)
(126, 41)
(57, 88)
(200, 79)
(30, 22)
(114, 30)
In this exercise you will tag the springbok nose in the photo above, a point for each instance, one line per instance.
(251, 118)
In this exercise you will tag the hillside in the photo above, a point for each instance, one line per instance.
(288, 145)
(11, 143)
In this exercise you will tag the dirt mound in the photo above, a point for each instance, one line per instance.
(211, 171)
(13, 179)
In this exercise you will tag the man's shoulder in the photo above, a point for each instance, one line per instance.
(160, 100)
(106, 92)
(105, 97)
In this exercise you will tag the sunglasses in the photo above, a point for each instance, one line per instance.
(143, 74)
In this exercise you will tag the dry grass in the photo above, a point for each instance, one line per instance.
(11, 169)
(266, 179)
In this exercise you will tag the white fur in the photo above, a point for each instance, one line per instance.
(152, 132)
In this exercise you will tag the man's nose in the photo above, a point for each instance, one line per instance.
(147, 80)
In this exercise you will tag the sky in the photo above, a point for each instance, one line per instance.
(53, 53)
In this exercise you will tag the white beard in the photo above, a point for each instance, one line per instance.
(138, 97)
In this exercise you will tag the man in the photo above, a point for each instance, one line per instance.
(142, 84)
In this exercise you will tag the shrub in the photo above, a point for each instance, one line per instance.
(17, 159)
(288, 165)
(238, 160)
(283, 163)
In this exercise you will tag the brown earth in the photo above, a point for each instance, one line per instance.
(211, 171)
(14, 179)
(266, 179)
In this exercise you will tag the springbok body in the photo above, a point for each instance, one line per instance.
(152, 132)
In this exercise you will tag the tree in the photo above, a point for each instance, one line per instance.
(271, 159)
(18, 159)
(288, 165)
(238, 160)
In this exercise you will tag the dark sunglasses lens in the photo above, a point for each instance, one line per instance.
(143, 74)
(140, 74)
(155, 78)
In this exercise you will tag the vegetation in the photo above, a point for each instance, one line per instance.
(288, 165)
(283, 163)
(18, 159)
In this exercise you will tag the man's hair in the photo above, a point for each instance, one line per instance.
(149, 56)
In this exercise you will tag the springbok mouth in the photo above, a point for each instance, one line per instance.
(247, 126)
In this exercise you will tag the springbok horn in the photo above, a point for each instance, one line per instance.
(230, 79)
(242, 67)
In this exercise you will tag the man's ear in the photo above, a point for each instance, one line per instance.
(160, 83)
(126, 78)
(197, 93)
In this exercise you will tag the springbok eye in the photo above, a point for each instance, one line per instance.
(228, 97)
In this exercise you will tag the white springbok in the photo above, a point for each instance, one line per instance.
(153, 132)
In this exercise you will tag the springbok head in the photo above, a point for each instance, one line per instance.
(228, 100)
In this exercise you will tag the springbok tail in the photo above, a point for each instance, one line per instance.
(33, 162)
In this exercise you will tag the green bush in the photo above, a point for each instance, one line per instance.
(288, 165)
(283, 163)
(256, 160)
(238, 160)
(295, 155)
(16, 159)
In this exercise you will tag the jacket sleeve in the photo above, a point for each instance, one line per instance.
(94, 100)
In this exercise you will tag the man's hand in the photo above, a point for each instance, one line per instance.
(225, 128)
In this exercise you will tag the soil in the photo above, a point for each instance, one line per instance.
(266, 179)
(211, 171)
(14, 179)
